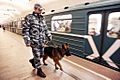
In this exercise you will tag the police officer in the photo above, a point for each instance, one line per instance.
(35, 32)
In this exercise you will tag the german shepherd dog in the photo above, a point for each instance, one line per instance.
(56, 53)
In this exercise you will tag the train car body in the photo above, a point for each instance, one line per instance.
(92, 30)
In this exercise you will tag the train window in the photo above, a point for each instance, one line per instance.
(94, 24)
(61, 23)
(113, 28)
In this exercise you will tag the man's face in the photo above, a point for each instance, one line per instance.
(38, 10)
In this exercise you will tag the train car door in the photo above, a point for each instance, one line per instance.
(111, 41)
(104, 38)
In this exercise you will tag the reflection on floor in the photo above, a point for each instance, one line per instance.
(14, 65)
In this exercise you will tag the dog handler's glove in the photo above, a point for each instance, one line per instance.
(50, 38)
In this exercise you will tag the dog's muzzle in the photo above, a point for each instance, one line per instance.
(67, 52)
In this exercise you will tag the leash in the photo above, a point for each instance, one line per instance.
(52, 43)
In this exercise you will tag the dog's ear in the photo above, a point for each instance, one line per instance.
(67, 45)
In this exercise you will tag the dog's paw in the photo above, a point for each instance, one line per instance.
(56, 68)
(45, 64)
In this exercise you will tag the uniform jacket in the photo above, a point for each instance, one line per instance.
(35, 29)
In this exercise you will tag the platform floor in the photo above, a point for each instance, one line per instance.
(14, 65)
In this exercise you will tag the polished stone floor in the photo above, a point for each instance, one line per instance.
(14, 65)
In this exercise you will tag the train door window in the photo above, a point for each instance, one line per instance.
(61, 23)
(94, 24)
(113, 28)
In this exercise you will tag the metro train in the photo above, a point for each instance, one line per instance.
(92, 30)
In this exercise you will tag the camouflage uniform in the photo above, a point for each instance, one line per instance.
(35, 31)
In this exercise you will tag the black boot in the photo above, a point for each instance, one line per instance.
(40, 73)
(32, 62)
